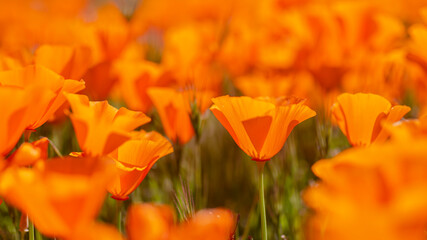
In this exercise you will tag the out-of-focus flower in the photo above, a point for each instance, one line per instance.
(14, 59)
(97, 231)
(190, 45)
(381, 73)
(29, 153)
(152, 13)
(259, 85)
(260, 126)
(135, 77)
(60, 196)
(68, 61)
(14, 103)
(371, 193)
(149, 221)
(134, 160)
(100, 128)
(45, 89)
(360, 117)
(153, 222)
(111, 31)
(174, 108)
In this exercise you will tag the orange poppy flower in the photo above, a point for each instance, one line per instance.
(14, 59)
(156, 222)
(174, 111)
(100, 128)
(360, 117)
(376, 192)
(97, 231)
(60, 196)
(149, 221)
(46, 91)
(29, 153)
(134, 160)
(135, 77)
(209, 224)
(68, 61)
(112, 34)
(260, 127)
(14, 103)
(258, 85)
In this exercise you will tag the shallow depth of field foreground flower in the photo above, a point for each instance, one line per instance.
(213, 119)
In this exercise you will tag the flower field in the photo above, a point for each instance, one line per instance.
(213, 119)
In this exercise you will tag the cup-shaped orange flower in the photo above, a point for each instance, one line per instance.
(45, 89)
(13, 107)
(100, 128)
(134, 160)
(361, 116)
(60, 196)
(156, 222)
(260, 126)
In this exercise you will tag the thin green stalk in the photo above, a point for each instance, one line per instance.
(198, 177)
(119, 215)
(31, 231)
(262, 200)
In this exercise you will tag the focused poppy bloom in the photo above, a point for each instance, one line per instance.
(371, 193)
(100, 128)
(60, 196)
(134, 160)
(29, 153)
(156, 222)
(174, 110)
(360, 117)
(46, 91)
(259, 126)
(14, 103)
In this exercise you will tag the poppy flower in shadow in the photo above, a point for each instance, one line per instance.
(100, 128)
(361, 116)
(134, 160)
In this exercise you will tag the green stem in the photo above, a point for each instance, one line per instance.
(31, 231)
(119, 215)
(198, 177)
(262, 200)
